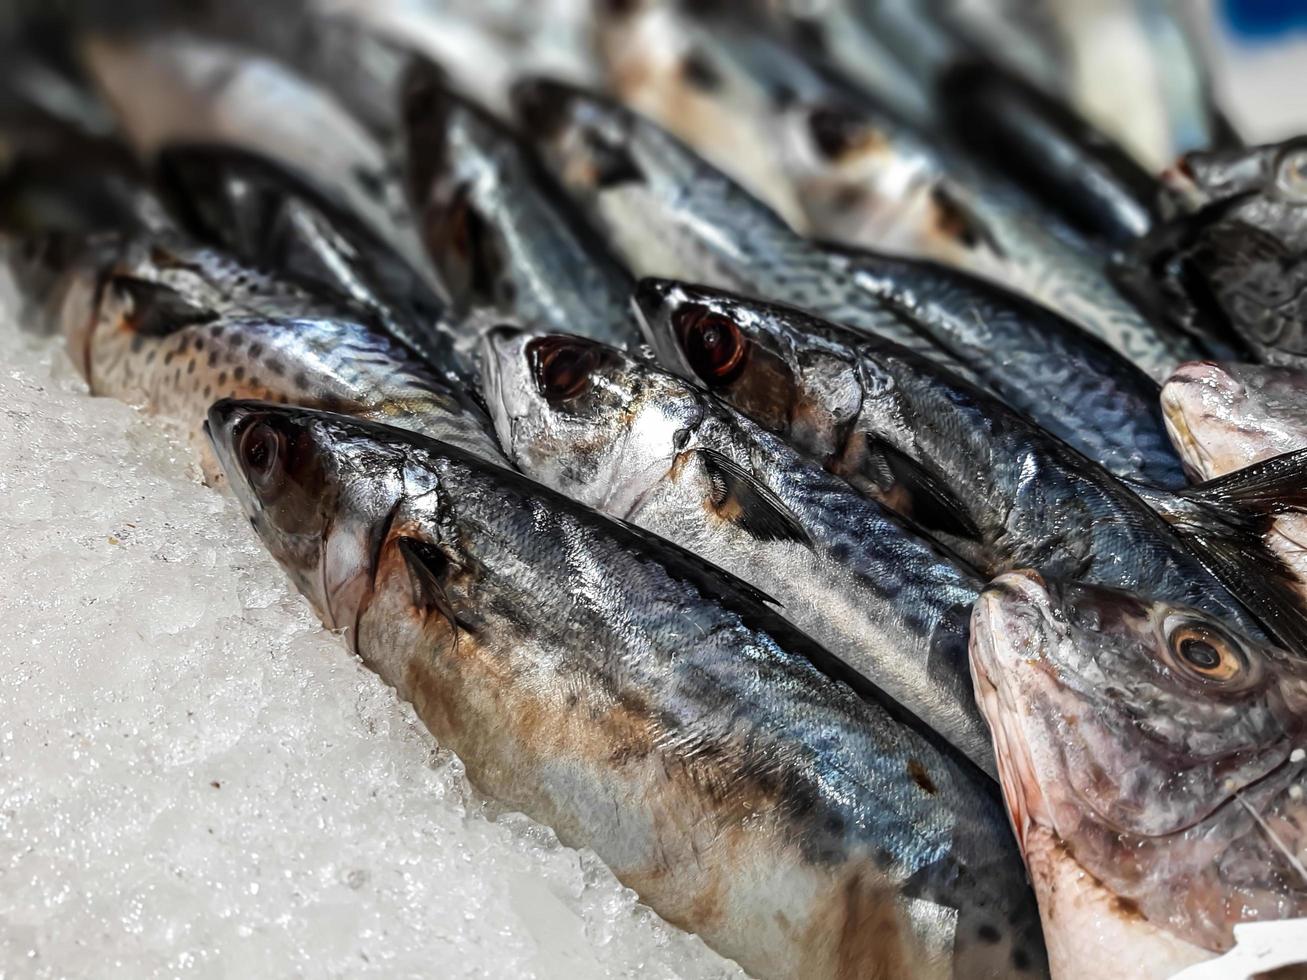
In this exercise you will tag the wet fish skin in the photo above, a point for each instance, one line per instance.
(984, 479)
(269, 216)
(670, 213)
(649, 448)
(494, 221)
(690, 739)
(1166, 813)
(1076, 170)
(1069, 382)
(173, 328)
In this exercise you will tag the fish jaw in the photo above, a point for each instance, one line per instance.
(1091, 933)
(1223, 417)
(1012, 608)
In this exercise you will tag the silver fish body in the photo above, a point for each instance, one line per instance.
(270, 216)
(664, 718)
(840, 167)
(173, 87)
(648, 447)
(670, 213)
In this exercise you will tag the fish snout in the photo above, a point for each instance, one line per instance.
(506, 384)
(1007, 622)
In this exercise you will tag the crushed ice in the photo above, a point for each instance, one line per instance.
(196, 779)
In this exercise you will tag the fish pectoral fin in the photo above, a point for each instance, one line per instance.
(738, 497)
(1273, 486)
(930, 503)
(157, 310)
(1225, 520)
(428, 568)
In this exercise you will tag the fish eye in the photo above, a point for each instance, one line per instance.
(562, 366)
(713, 344)
(1291, 174)
(836, 131)
(260, 449)
(1204, 652)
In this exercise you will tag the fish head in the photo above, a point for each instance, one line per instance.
(760, 358)
(1223, 417)
(596, 145)
(589, 420)
(748, 103)
(1262, 187)
(657, 202)
(318, 494)
(1142, 734)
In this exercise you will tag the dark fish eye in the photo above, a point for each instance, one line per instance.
(260, 448)
(713, 344)
(562, 366)
(1205, 652)
(836, 131)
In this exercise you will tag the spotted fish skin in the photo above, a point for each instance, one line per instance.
(666, 719)
(173, 328)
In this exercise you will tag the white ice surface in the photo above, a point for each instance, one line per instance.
(197, 780)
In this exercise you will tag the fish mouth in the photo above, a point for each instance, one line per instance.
(224, 418)
(500, 345)
(1179, 412)
(1008, 626)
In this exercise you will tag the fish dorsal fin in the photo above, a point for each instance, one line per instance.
(428, 569)
(157, 310)
(740, 498)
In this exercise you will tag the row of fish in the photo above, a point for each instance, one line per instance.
(740, 453)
